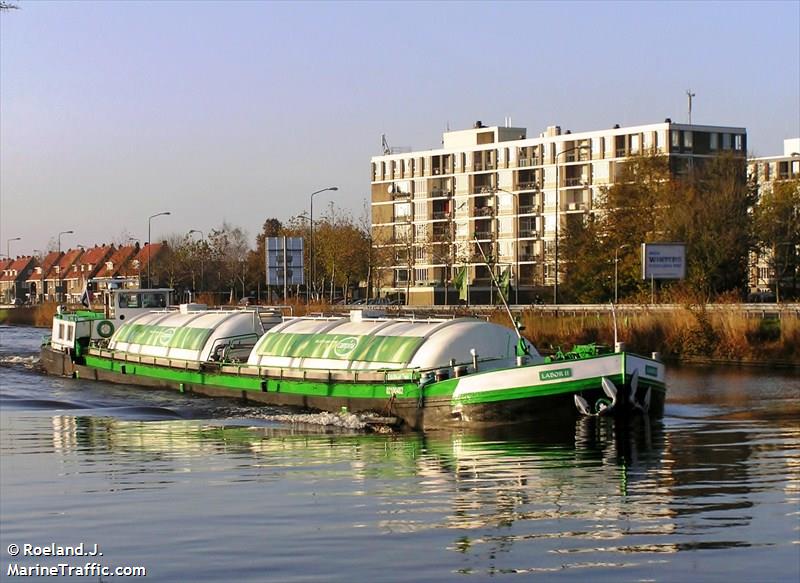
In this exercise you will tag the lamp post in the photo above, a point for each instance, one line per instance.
(558, 211)
(8, 245)
(516, 246)
(311, 251)
(40, 259)
(616, 270)
(59, 237)
(60, 278)
(150, 242)
(202, 236)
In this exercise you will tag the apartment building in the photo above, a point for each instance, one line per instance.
(766, 172)
(493, 191)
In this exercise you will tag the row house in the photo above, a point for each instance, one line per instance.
(36, 283)
(111, 274)
(85, 267)
(55, 276)
(13, 279)
(62, 276)
(134, 272)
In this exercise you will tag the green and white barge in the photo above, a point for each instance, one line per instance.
(427, 374)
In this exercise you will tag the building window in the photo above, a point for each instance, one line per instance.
(726, 141)
(402, 210)
(421, 275)
(687, 140)
(635, 144)
(675, 137)
(738, 142)
(714, 141)
(401, 275)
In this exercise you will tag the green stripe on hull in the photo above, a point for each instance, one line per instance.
(354, 390)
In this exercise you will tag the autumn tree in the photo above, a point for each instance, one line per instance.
(228, 257)
(777, 230)
(709, 210)
(587, 272)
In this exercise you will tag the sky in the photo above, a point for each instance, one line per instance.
(111, 112)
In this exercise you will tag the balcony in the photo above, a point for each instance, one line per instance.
(440, 215)
(484, 211)
(528, 233)
(527, 186)
(574, 181)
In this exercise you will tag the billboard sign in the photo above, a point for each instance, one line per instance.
(284, 261)
(663, 260)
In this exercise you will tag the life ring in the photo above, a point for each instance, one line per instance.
(105, 329)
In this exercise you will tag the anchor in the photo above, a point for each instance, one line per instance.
(604, 407)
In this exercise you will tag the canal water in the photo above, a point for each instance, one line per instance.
(197, 489)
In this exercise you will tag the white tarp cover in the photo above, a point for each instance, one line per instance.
(342, 344)
(190, 336)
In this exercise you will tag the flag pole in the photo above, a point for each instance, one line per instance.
(500, 291)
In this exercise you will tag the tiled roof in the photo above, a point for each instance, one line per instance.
(118, 260)
(89, 262)
(140, 260)
(16, 267)
(65, 262)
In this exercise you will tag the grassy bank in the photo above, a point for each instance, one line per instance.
(40, 316)
(688, 334)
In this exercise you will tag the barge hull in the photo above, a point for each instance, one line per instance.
(415, 413)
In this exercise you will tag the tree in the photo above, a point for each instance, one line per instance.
(776, 222)
(585, 264)
(229, 256)
(341, 249)
(710, 212)
(634, 210)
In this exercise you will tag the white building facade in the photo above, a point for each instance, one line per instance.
(766, 172)
(493, 189)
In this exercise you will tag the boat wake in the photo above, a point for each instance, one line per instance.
(28, 361)
(341, 420)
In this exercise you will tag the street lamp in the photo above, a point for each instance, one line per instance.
(150, 242)
(516, 245)
(558, 210)
(311, 251)
(59, 238)
(202, 236)
(8, 245)
(40, 256)
(60, 278)
(616, 270)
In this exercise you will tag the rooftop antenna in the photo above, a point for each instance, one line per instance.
(689, 94)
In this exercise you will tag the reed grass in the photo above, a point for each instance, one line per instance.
(687, 333)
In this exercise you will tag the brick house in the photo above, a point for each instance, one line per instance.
(36, 283)
(14, 277)
(53, 280)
